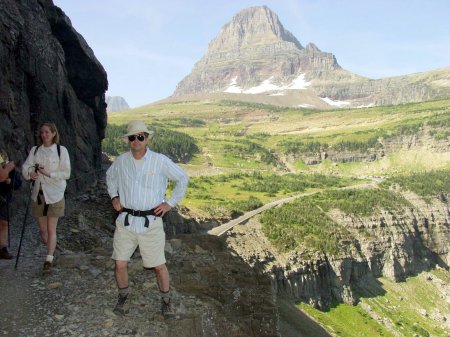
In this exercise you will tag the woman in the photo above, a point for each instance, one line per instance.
(48, 165)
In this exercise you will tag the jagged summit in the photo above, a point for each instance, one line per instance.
(254, 53)
(250, 27)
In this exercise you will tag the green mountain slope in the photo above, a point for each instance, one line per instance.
(250, 154)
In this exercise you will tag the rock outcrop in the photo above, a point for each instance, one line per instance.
(50, 73)
(254, 58)
(394, 245)
(422, 139)
(116, 103)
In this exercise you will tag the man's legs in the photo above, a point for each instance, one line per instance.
(162, 278)
(3, 233)
(121, 273)
(4, 254)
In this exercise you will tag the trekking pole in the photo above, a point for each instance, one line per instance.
(25, 220)
(7, 220)
(7, 210)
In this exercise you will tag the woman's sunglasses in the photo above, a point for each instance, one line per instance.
(139, 138)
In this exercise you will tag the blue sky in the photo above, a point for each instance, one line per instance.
(148, 46)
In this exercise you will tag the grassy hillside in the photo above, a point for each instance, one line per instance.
(416, 307)
(237, 136)
(229, 195)
(240, 137)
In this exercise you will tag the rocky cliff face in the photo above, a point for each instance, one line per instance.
(50, 73)
(422, 139)
(253, 48)
(394, 245)
(254, 58)
(116, 103)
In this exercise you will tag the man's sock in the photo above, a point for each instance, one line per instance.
(123, 292)
(165, 295)
(49, 258)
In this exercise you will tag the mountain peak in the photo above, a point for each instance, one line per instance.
(116, 103)
(252, 26)
(254, 54)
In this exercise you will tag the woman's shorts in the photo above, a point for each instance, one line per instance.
(151, 244)
(55, 210)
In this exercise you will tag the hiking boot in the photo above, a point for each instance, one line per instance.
(47, 267)
(121, 307)
(4, 254)
(166, 309)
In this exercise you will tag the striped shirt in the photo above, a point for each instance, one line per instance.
(143, 187)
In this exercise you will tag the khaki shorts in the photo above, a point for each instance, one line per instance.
(151, 244)
(55, 210)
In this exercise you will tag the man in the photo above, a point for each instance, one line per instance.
(7, 181)
(137, 183)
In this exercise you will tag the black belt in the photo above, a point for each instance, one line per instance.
(142, 214)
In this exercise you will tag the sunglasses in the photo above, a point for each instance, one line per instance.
(139, 138)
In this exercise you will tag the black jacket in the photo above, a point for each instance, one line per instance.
(6, 189)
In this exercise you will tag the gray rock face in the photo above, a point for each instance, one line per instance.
(116, 103)
(50, 73)
(422, 139)
(255, 58)
(252, 48)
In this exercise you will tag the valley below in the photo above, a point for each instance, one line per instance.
(342, 262)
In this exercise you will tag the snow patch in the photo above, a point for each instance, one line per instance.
(329, 101)
(298, 83)
(305, 105)
(263, 87)
(233, 88)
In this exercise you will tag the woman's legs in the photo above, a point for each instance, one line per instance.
(47, 228)
(43, 228)
(51, 230)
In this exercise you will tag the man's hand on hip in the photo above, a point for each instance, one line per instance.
(162, 209)
(116, 204)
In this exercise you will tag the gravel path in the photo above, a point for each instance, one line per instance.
(215, 293)
(76, 299)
